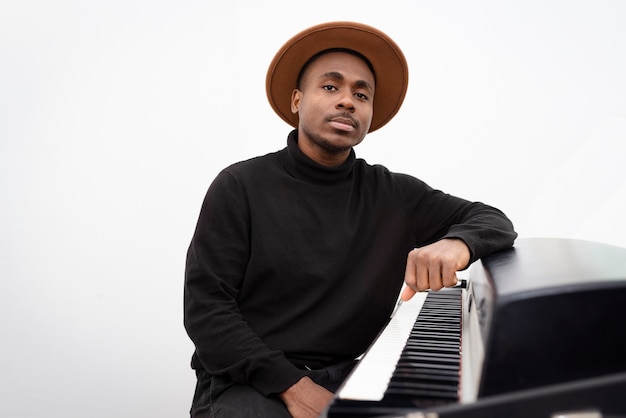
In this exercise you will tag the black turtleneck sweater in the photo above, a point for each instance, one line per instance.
(294, 264)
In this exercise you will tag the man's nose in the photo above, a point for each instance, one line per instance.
(346, 102)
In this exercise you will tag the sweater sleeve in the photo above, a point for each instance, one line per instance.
(216, 264)
(438, 215)
(484, 229)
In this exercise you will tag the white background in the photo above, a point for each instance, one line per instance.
(116, 115)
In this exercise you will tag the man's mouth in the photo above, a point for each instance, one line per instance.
(343, 124)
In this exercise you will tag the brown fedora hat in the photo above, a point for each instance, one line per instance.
(388, 61)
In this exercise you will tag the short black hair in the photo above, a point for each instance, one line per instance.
(327, 51)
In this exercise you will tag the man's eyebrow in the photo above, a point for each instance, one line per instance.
(333, 74)
(338, 76)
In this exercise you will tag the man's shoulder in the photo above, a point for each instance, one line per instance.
(254, 163)
(381, 171)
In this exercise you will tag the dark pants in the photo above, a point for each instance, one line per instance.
(217, 397)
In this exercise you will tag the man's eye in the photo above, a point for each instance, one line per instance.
(361, 96)
(329, 87)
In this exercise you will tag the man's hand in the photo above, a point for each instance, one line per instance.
(306, 399)
(434, 266)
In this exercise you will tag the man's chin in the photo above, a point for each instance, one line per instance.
(341, 140)
(337, 146)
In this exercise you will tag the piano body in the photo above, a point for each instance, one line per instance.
(540, 325)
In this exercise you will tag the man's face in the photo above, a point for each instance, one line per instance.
(335, 102)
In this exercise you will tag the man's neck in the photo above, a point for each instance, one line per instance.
(321, 155)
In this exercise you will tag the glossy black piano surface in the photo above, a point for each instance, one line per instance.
(550, 312)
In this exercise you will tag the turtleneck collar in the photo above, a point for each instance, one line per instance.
(301, 166)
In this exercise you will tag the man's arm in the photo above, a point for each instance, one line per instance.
(451, 233)
(216, 262)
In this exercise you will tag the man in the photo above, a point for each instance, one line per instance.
(299, 255)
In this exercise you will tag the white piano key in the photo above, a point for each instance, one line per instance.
(370, 378)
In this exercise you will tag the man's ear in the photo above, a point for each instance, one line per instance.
(296, 96)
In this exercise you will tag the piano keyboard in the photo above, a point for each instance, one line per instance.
(416, 359)
(369, 380)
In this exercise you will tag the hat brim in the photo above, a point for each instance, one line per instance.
(388, 61)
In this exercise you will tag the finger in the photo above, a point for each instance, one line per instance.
(416, 274)
(450, 280)
(448, 275)
(407, 293)
(435, 280)
(409, 275)
(423, 280)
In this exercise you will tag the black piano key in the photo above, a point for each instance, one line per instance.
(426, 376)
(435, 368)
(409, 384)
(426, 381)
(449, 386)
(433, 344)
(431, 394)
(437, 329)
(438, 336)
(438, 358)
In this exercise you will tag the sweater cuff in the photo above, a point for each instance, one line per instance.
(272, 380)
